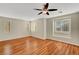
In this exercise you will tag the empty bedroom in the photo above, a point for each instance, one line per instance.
(39, 28)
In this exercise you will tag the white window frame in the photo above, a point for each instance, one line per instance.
(61, 32)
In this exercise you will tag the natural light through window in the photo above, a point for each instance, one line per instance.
(33, 26)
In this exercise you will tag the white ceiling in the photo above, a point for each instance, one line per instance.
(25, 10)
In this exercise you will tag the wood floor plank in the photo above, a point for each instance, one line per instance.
(35, 46)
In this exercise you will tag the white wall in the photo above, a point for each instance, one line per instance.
(43, 28)
(74, 29)
(39, 28)
(18, 28)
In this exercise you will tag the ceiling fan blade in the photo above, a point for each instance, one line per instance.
(52, 9)
(46, 6)
(47, 13)
(38, 9)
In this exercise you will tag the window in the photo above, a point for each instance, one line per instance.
(33, 26)
(63, 26)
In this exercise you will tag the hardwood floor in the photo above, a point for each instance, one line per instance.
(35, 46)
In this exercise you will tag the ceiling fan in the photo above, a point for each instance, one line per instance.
(45, 9)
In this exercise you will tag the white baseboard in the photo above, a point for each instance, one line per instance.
(65, 41)
(11, 38)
